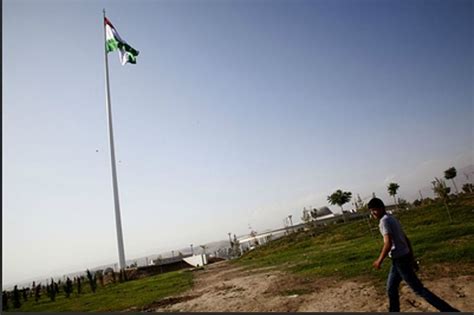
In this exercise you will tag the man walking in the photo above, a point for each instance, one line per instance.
(398, 248)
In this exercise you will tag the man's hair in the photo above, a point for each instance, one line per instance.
(376, 203)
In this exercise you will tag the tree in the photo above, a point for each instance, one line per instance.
(37, 292)
(468, 188)
(442, 191)
(417, 203)
(339, 198)
(92, 281)
(25, 294)
(52, 290)
(392, 190)
(16, 298)
(68, 287)
(79, 288)
(33, 289)
(4, 300)
(450, 173)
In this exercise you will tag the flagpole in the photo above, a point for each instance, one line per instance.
(118, 221)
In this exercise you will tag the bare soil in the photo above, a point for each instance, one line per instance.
(224, 287)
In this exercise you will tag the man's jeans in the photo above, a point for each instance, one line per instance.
(402, 269)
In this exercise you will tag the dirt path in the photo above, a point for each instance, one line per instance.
(223, 287)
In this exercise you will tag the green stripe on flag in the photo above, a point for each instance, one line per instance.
(131, 58)
(112, 45)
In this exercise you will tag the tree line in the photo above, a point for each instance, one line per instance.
(440, 189)
(51, 290)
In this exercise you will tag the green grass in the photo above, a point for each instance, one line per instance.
(115, 297)
(348, 250)
(343, 251)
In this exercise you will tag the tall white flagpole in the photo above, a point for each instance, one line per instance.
(118, 221)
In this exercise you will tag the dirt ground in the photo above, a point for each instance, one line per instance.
(223, 287)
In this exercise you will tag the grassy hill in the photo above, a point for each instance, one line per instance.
(342, 251)
(348, 250)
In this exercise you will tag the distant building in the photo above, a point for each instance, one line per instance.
(324, 213)
(392, 208)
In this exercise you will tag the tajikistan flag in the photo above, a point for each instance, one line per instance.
(115, 42)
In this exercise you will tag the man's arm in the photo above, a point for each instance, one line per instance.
(387, 245)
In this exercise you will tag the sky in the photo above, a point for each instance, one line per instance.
(237, 114)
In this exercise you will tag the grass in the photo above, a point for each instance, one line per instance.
(342, 250)
(114, 297)
(348, 250)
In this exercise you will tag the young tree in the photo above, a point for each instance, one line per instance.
(38, 292)
(339, 198)
(92, 281)
(68, 287)
(4, 300)
(442, 191)
(79, 287)
(25, 294)
(450, 173)
(52, 290)
(392, 190)
(16, 298)
(33, 289)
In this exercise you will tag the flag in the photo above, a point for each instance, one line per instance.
(115, 42)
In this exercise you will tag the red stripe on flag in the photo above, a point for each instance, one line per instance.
(106, 21)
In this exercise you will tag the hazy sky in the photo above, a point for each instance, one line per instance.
(237, 113)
